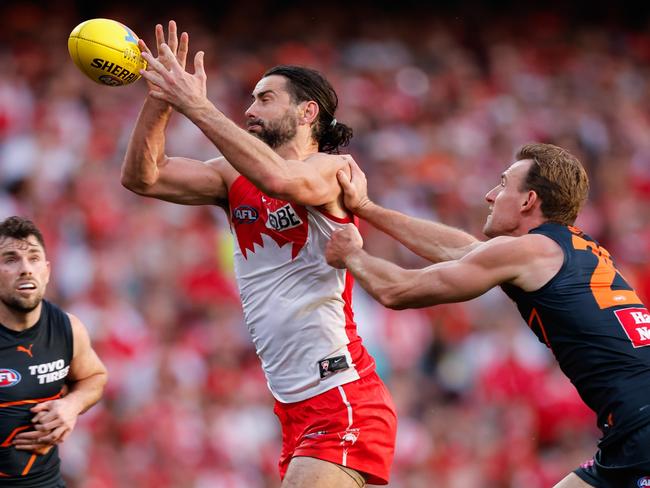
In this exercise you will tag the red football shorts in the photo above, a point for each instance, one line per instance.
(353, 425)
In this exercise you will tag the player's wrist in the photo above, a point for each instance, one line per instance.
(158, 105)
(74, 402)
(352, 256)
(200, 109)
(365, 208)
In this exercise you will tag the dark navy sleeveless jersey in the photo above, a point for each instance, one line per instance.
(34, 364)
(597, 328)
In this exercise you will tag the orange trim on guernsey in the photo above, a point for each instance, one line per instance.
(603, 277)
(25, 402)
(10, 437)
(4, 475)
(534, 315)
(29, 464)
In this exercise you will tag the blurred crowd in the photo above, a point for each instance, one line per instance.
(439, 102)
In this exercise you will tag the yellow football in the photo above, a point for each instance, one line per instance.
(106, 51)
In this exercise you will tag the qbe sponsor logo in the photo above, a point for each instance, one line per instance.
(284, 218)
(636, 324)
(8, 377)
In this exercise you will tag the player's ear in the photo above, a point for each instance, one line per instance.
(49, 271)
(309, 112)
(530, 201)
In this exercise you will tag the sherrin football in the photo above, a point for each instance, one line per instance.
(106, 51)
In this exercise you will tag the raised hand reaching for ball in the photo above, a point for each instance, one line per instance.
(171, 83)
(177, 48)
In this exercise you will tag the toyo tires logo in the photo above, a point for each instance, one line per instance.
(8, 377)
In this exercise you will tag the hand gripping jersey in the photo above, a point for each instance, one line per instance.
(597, 328)
(33, 366)
(297, 308)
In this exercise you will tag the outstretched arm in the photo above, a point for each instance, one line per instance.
(495, 262)
(146, 169)
(310, 182)
(55, 419)
(431, 240)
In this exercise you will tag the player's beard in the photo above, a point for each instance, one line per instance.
(22, 305)
(277, 132)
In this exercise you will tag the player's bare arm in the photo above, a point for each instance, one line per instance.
(527, 262)
(431, 240)
(146, 169)
(54, 420)
(307, 179)
(147, 145)
(181, 180)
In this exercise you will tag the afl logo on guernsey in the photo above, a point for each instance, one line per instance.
(8, 377)
(245, 214)
(645, 481)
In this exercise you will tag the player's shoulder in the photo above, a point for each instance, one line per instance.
(539, 244)
(226, 170)
(326, 158)
(80, 332)
(76, 324)
(530, 246)
(53, 312)
(521, 249)
(331, 163)
(218, 163)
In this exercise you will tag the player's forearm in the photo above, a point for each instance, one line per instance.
(386, 282)
(246, 153)
(146, 147)
(85, 393)
(431, 240)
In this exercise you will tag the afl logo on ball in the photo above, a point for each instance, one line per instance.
(645, 481)
(8, 377)
(110, 80)
(245, 214)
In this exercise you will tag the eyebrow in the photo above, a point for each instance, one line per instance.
(262, 93)
(31, 250)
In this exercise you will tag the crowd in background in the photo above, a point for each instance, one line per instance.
(439, 103)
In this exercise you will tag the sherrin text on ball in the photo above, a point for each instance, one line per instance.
(106, 51)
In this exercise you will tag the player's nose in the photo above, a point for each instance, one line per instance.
(26, 267)
(250, 111)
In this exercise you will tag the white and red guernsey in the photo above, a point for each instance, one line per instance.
(298, 309)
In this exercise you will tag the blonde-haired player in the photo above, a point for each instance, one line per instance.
(565, 285)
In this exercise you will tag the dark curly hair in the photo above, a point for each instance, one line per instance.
(20, 228)
(305, 84)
